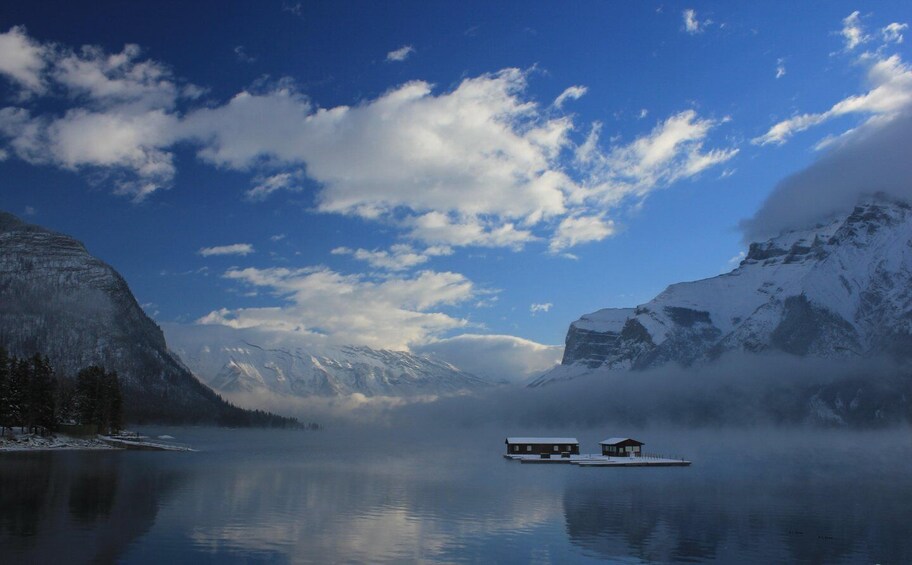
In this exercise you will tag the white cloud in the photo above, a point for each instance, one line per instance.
(643, 113)
(780, 68)
(671, 151)
(692, 24)
(442, 229)
(266, 185)
(891, 92)
(497, 357)
(30, 211)
(400, 257)
(571, 93)
(400, 54)
(893, 33)
(582, 229)
(543, 307)
(234, 249)
(22, 59)
(852, 32)
(391, 312)
(478, 165)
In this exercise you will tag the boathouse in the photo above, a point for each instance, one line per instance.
(542, 446)
(621, 447)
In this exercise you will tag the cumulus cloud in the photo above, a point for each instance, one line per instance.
(852, 31)
(22, 59)
(496, 357)
(571, 93)
(872, 159)
(390, 312)
(399, 257)
(889, 95)
(400, 54)
(893, 33)
(480, 164)
(233, 249)
(582, 229)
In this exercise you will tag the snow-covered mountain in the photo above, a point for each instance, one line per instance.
(842, 289)
(58, 300)
(236, 362)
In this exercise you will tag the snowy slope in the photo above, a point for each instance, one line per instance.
(241, 364)
(839, 289)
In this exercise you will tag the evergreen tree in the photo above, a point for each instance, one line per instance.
(18, 392)
(4, 391)
(98, 399)
(42, 387)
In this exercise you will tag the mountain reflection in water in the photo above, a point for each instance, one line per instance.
(393, 496)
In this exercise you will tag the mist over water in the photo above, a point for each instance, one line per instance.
(387, 494)
(741, 390)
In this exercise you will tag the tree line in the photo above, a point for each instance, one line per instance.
(35, 400)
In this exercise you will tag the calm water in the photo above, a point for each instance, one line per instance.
(375, 496)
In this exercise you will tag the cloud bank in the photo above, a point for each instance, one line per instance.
(874, 159)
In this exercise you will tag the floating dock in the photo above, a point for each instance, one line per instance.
(593, 460)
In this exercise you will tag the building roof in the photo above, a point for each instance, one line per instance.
(542, 440)
(617, 440)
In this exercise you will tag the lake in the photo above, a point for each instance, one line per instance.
(382, 495)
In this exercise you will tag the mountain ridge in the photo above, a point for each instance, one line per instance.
(58, 300)
(841, 288)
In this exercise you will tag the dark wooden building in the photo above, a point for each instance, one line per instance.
(553, 446)
(621, 447)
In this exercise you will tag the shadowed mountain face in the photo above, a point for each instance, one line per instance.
(839, 290)
(58, 300)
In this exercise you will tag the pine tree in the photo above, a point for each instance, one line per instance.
(4, 391)
(42, 398)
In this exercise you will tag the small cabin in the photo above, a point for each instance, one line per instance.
(621, 447)
(543, 446)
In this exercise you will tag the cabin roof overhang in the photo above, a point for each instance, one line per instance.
(619, 440)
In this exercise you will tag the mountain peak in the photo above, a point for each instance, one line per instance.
(843, 288)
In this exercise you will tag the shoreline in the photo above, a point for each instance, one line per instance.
(20, 443)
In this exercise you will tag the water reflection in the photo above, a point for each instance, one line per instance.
(775, 513)
(255, 496)
(76, 507)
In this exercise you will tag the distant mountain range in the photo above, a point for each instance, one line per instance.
(58, 300)
(239, 362)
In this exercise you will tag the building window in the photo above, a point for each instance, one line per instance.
(515, 448)
(556, 448)
(528, 448)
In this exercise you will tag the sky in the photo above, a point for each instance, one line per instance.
(465, 179)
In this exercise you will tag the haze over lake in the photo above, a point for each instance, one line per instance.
(360, 495)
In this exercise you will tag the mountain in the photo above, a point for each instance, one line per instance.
(240, 362)
(838, 290)
(58, 300)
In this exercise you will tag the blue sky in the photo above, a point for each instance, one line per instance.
(399, 173)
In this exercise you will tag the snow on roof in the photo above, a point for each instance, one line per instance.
(543, 440)
(617, 440)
